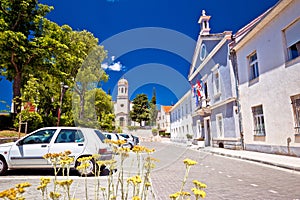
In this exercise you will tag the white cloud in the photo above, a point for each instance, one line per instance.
(113, 67)
(116, 66)
(104, 66)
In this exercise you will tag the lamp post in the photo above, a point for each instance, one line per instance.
(63, 89)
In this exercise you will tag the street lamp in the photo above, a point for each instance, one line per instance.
(63, 89)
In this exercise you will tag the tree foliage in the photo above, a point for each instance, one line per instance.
(140, 110)
(37, 55)
(26, 40)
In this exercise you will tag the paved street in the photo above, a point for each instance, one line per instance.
(226, 178)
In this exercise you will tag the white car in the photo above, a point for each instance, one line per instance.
(131, 139)
(116, 137)
(28, 151)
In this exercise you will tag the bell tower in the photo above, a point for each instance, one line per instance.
(122, 108)
(204, 22)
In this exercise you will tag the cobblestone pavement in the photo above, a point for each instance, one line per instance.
(226, 178)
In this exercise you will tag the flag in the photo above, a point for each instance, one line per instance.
(198, 88)
(197, 92)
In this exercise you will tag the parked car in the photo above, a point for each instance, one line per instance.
(28, 151)
(116, 137)
(133, 140)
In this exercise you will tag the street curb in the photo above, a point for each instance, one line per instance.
(256, 160)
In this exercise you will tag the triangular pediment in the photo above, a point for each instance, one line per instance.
(205, 45)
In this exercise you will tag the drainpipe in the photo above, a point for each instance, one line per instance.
(233, 59)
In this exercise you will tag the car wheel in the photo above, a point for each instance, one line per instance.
(89, 171)
(3, 166)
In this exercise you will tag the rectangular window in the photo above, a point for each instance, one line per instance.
(186, 109)
(258, 120)
(296, 109)
(253, 66)
(220, 125)
(292, 38)
(217, 83)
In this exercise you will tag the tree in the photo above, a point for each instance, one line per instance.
(153, 99)
(153, 109)
(140, 110)
(88, 78)
(27, 41)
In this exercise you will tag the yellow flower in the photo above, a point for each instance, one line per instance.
(136, 198)
(124, 149)
(147, 184)
(68, 152)
(183, 193)
(138, 149)
(83, 159)
(198, 184)
(135, 179)
(175, 195)
(149, 150)
(199, 193)
(189, 162)
(22, 185)
(42, 187)
(54, 195)
(64, 182)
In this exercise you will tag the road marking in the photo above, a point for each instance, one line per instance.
(212, 168)
(240, 180)
(229, 176)
(220, 172)
(254, 185)
(273, 191)
(206, 166)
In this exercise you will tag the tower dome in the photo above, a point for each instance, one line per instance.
(122, 81)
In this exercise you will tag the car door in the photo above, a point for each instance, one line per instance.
(29, 151)
(68, 139)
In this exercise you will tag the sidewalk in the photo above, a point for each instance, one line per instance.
(287, 162)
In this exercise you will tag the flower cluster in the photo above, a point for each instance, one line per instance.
(197, 190)
(179, 194)
(115, 142)
(134, 180)
(15, 193)
(142, 149)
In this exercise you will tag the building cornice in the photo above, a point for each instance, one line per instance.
(274, 11)
(180, 100)
(226, 101)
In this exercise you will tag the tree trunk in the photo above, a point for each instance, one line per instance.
(82, 101)
(17, 92)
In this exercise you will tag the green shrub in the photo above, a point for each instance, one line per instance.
(33, 119)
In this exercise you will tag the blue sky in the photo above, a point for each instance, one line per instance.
(149, 42)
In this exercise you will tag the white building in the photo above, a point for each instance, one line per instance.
(181, 119)
(163, 119)
(267, 57)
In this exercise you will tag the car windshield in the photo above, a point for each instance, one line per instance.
(43, 136)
